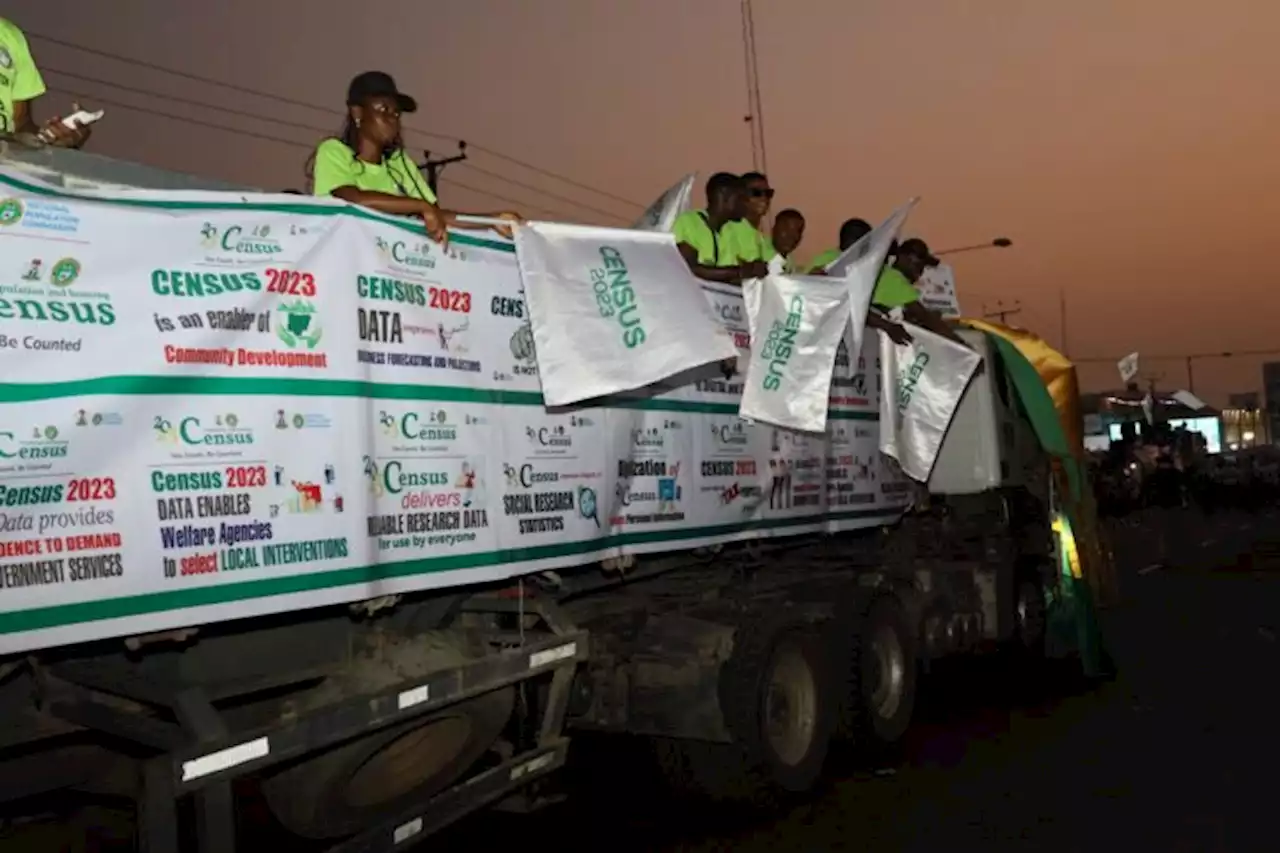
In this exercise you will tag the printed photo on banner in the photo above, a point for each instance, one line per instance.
(797, 471)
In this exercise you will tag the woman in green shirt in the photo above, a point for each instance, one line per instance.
(367, 163)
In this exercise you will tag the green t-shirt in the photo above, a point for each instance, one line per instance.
(748, 243)
(20, 80)
(819, 263)
(714, 250)
(336, 167)
(893, 290)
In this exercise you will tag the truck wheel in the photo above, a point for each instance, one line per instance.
(344, 789)
(883, 674)
(777, 698)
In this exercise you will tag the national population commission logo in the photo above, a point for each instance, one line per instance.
(11, 211)
(64, 272)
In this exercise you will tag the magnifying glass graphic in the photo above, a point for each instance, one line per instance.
(587, 504)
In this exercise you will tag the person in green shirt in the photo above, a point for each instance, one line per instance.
(787, 232)
(703, 240)
(851, 232)
(749, 242)
(367, 163)
(20, 85)
(895, 288)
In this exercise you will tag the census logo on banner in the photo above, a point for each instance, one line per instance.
(923, 383)
(661, 215)
(612, 310)
(798, 323)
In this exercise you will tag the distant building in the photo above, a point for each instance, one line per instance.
(1108, 414)
(1244, 422)
(1271, 393)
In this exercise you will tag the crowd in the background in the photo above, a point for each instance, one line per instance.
(1167, 468)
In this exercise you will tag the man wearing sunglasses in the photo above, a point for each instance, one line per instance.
(748, 241)
(705, 240)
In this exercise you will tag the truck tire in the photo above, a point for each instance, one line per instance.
(881, 674)
(344, 789)
(777, 697)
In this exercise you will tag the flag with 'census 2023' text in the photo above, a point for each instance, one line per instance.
(923, 383)
(612, 310)
(796, 330)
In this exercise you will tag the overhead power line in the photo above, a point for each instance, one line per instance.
(205, 105)
(280, 140)
(283, 99)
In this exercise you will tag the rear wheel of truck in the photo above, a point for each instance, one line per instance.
(882, 675)
(352, 786)
(778, 700)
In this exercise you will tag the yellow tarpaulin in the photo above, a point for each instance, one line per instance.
(1082, 538)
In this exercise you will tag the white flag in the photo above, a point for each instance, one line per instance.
(937, 286)
(1149, 408)
(860, 265)
(612, 310)
(1191, 401)
(796, 331)
(923, 382)
(1128, 367)
(661, 215)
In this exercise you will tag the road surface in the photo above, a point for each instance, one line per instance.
(1177, 753)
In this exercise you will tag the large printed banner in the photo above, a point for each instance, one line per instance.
(213, 408)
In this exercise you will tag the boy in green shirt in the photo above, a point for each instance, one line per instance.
(20, 85)
(749, 243)
(788, 231)
(705, 241)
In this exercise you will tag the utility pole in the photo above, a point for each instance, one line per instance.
(434, 168)
(754, 118)
(1001, 312)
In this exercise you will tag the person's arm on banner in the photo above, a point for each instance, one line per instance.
(926, 318)
(721, 275)
(451, 219)
(397, 205)
(896, 331)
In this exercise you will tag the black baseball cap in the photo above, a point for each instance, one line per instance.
(378, 84)
(917, 248)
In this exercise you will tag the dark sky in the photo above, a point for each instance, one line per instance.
(1130, 148)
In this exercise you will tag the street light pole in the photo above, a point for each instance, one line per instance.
(997, 243)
